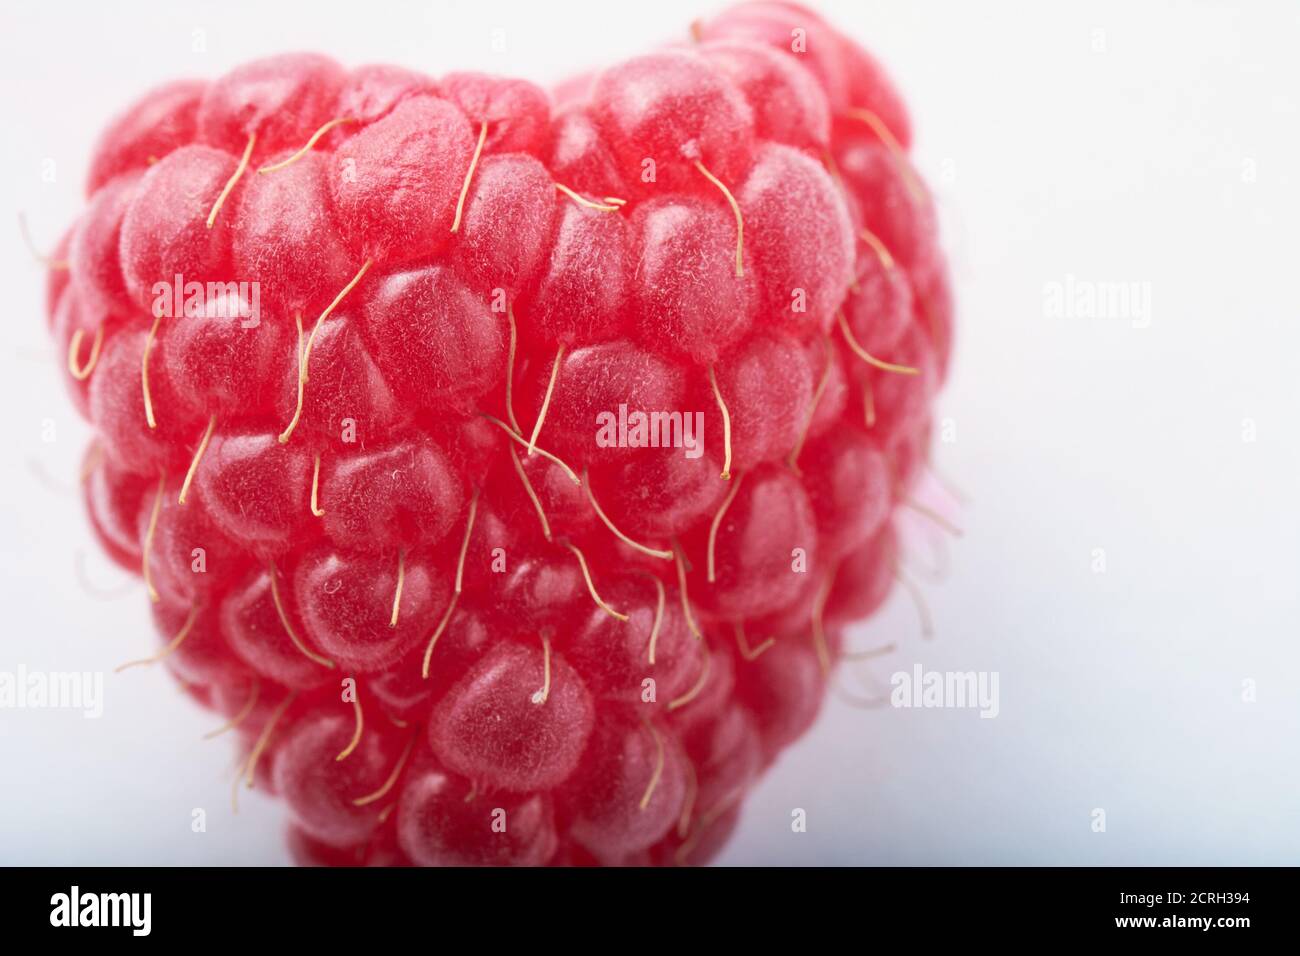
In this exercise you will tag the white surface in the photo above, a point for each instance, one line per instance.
(1050, 159)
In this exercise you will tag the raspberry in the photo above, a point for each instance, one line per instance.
(412, 462)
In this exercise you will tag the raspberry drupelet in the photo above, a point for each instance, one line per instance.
(360, 473)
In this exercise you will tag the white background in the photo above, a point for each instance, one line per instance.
(1113, 141)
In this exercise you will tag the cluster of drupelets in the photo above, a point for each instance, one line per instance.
(376, 528)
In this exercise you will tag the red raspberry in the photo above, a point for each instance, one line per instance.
(387, 472)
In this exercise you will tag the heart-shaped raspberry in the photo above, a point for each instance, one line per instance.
(505, 469)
